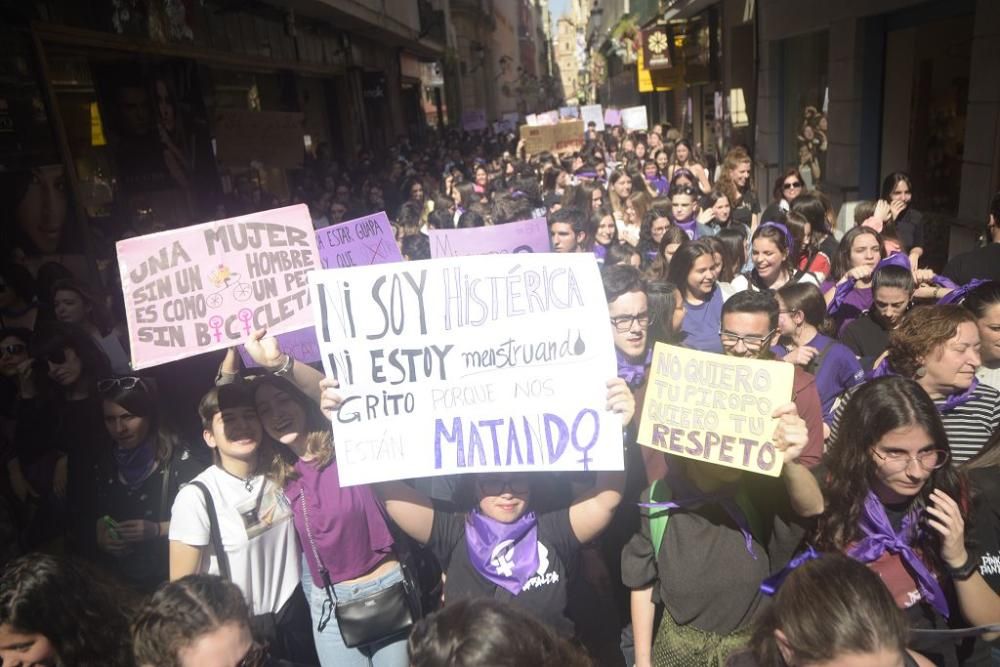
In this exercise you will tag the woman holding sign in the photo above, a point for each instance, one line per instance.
(500, 548)
(895, 502)
(347, 547)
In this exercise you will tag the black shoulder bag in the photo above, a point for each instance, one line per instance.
(367, 619)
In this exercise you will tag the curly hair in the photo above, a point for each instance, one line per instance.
(182, 611)
(82, 614)
(921, 331)
(877, 408)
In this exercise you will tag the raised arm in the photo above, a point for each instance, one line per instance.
(266, 351)
(791, 437)
(591, 513)
(411, 510)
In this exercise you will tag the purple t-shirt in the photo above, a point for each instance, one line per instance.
(858, 300)
(347, 523)
(690, 228)
(839, 371)
(701, 324)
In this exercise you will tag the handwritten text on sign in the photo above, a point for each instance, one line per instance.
(525, 236)
(715, 408)
(451, 365)
(205, 287)
(358, 242)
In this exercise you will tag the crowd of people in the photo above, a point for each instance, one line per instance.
(129, 539)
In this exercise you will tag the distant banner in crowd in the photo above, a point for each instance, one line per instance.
(206, 287)
(715, 408)
(592, 113)
(474, 120)
(634, 118)
(612, 117)
(513, 237)
(359, 242)
(569, 113)
(472, 364)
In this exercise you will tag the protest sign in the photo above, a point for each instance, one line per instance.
(512, 237)
(548, 118)
(568, 136)
(569, 113)
(592, 113)
(273, 137)
(612, 117)
(468, 364)
(206, 287)
(531, 119)
(715, 408)
(634, 118)
(474, 120)
(538, 138)
(359, 242)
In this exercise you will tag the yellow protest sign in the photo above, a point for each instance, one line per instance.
(715, 408)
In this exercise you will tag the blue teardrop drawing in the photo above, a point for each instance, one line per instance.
(580, 347)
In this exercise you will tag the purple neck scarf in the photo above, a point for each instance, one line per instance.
(136, 464)
(957, 294)
(884, 369)
(504, 553)
(771, 585)
(689, 497)
(844, 288)
(633, 373)
(690, 228)
(879, 538)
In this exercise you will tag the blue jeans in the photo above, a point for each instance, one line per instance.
(390, 652)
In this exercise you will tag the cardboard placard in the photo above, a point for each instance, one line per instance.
(634, 118)
(569, 113)
(715, 408)
(474, 120)
(468, 364)
(512, 237)
(592, 113)
(612, 117)
(206, 287)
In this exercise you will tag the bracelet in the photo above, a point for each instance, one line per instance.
(962, 573)
(286, 367)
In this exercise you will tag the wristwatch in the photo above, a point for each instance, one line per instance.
(964, 572)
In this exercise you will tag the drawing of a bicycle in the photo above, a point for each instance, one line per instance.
(225, 279)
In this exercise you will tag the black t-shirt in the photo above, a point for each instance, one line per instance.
(981, 263)
(986, 534)
(703, 573)
(543, 596)
(147, 564)
(866, 338)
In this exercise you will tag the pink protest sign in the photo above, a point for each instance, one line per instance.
(525, 236)
(612, 117)
(360, 242)
(206, 287)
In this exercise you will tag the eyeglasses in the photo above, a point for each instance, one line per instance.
(623, 323)
(254, 657)
(129, 382)
(730, 339)
(495, 486)
(792, 185)
(930, 459)
(11, 350)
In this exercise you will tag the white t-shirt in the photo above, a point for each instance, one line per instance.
(257, 534)
(741, 284)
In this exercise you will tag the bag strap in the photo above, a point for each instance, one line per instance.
(323, 572)
(215, 536)
(817, 361)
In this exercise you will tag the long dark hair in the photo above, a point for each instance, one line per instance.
(878, 407)
(894, 179)
(142, 400)
(827, 608)
(53, 339)
(659, 266)
(83, 615)
(683, 262)
(842, 259)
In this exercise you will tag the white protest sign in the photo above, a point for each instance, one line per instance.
(468, 364)
(634, 118)
(592, 113)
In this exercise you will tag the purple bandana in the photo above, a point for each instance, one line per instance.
(690, 228)
(789, 239)
(884, 369)
(844, 288)
(136, 464)
(692, 498)
(504, 553)
(634, 374)
(879, 537)
(957, 294)
(771, 585)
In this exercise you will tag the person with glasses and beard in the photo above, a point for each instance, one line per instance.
(745, 526)
(138, 477)
(894, 501)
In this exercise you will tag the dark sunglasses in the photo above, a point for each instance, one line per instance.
(495, 486)
(129, 382)
(793, 184)
(16, 348)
